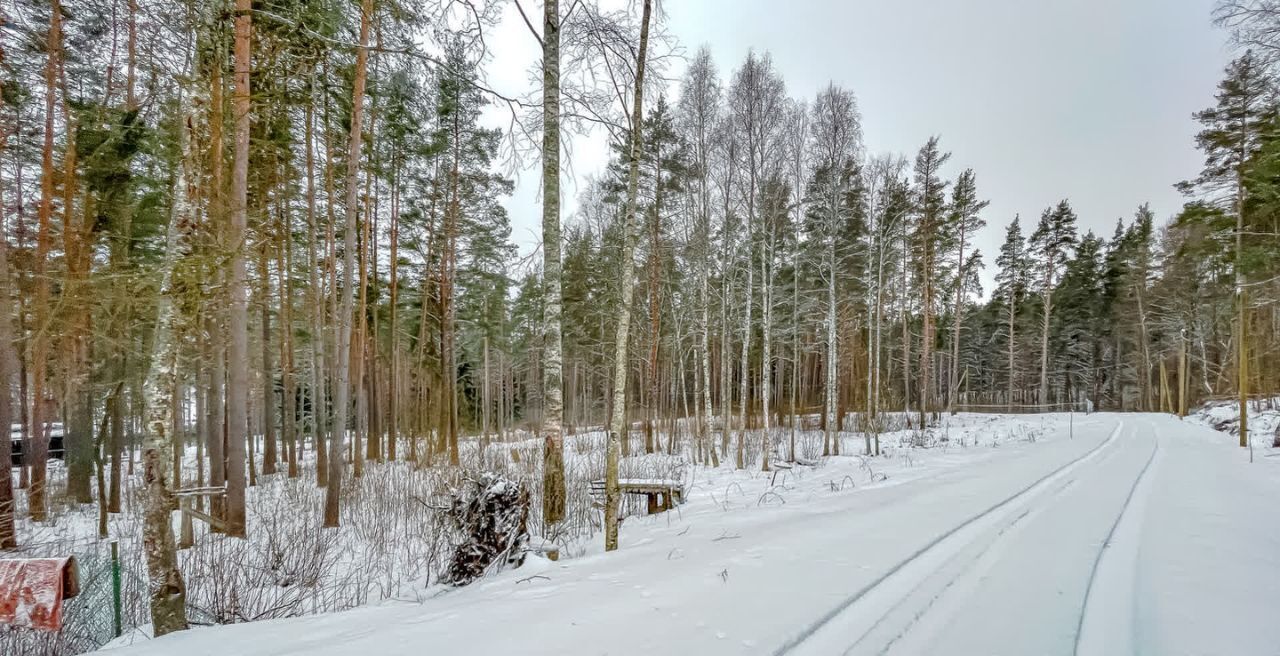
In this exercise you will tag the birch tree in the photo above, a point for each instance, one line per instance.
(756, 102)
(698, 113)
(553, 504)
(837, 145)
(618, 417)
(168, 590)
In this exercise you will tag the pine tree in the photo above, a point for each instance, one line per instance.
(1077, 321)
(930, 240)
(1051, 244)
(965, 222)
(1012, 283)
(1234, 131)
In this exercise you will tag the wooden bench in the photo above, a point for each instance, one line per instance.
(186, 498)
(661, 494)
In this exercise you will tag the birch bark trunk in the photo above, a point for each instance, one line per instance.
(618, 418)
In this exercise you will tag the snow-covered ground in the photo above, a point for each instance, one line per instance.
(1224, 416)
(1099, 534)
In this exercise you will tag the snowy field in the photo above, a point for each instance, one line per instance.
(1047, 534)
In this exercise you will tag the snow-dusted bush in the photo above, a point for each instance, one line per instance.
(492, 514)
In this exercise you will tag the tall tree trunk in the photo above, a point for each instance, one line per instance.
(1182, 373)
(485, 401)
(830, 445)
(269, 456)
(957, 318)
(553, 483)
(238, 312)
(1242, 332)
(319, 397)
(1013, 342)
(393, 325)
(359, 348)
(879, 323)
(343, 372)
(618, 419)
(1044, 334)
(744, 384)
(766, 343)
(8, 360)
(37, 455)
(168, 591)
(8, 367)
(215, 323)
(704, 348)
(795, 349)
(926, 328)
(655, 305)
(1145, 345)
(448, 310)
(726, 391)
(906, 327)
(77, 256)
(289, 415)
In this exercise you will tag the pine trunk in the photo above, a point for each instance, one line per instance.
(342, 384)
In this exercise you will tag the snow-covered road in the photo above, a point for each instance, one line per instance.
(1154, 541)
(1138, 535)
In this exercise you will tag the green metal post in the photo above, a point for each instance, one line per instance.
(115, 587)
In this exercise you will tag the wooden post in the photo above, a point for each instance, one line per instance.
(1242, 363)
(1182, 374)
(187, 538)
(1166, 401)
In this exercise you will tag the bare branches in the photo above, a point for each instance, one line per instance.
(528, 24)
(1252, 24)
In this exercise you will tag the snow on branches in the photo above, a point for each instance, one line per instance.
(492, 513)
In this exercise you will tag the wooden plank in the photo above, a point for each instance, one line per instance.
(215, 491)
(206, 518)
(187, 539)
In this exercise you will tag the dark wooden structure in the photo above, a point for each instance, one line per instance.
(660, 494)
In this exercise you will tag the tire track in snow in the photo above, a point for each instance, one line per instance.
(924, 613)
(974, 559)
(1091, 643)
(885, 591)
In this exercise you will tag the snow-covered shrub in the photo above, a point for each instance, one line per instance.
(492, 513)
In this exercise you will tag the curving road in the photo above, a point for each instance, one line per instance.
(1154, 541)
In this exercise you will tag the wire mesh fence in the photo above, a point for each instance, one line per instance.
(112, 599)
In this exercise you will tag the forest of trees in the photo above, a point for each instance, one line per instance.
(273, 233)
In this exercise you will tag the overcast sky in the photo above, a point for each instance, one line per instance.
(1089, 100)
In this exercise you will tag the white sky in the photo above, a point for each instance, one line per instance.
(1089, 100)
